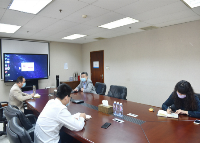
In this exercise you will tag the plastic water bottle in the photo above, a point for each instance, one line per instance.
(114, 108)
(34, 89)
(117, 109)
(121, 110)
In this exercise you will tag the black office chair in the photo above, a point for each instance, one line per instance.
(100, 88)
(16, 133)
(3, 118)
(119, 92)
(12, 111)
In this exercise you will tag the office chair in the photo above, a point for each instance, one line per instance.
(12, 111)
(16, 133)
(119, 92)
(3, 119)
(100, 88)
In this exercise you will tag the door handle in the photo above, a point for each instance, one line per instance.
(101, 76)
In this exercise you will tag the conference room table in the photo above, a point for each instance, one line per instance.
(146, 127)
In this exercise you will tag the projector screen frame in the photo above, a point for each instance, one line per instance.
(22, 40)
(22, 75)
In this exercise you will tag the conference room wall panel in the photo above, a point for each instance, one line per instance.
(60, 53)
(150, 63)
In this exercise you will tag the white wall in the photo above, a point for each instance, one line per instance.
(150, 63)
(60, 53)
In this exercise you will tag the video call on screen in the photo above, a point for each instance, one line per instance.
(31, 66)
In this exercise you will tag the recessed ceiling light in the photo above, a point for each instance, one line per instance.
(29, 6)
(7, 28)
(192, 3)
(119, 23)
(74, 36)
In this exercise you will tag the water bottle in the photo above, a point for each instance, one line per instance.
(117, 109)
(121, 110)
(114, 108)
(34, 89)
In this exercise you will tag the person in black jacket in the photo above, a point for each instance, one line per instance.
(184, 100)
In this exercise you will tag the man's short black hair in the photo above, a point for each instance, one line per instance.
(63, 90)
(84, 73)
(19, 79)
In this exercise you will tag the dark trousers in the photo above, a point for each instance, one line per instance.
(65, 138)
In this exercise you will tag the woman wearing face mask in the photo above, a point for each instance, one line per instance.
(184, 100)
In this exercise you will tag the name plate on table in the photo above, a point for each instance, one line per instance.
(105, 109)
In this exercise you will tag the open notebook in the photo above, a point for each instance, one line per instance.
(78, 114)
(164, 114)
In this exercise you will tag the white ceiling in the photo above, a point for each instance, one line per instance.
(51, 25)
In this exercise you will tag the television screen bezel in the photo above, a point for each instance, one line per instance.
(22, 75)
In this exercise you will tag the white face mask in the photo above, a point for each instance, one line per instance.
(181, 96)
(68, 104)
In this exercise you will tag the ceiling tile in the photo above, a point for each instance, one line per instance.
(5, 34)
(171, 17)
(178, 21)
(2, 11)
(16, 17)
(94, 31)
(68, 7)
(91, 12)
(89, 1)
(4, 3)
(78, 29)
(161, 11)
(113, 4)
(61, 25)
(143, 6)
(106, 18)
(197, 10)
(39, 22)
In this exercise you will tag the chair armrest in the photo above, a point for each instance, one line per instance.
(4, 102)
(31, 116)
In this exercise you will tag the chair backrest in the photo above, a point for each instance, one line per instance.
(1, 112)
(198, 95)
(16, 133)
(119, 92)
(100, 88)
(11, 112)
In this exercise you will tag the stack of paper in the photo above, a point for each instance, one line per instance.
(78, 114)
(164, 114)
(37, 96)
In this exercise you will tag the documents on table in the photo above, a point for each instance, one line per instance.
(163, 113)
(132, 115)
(37, 95)
(78, 114)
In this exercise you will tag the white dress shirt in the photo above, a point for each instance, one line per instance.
(51, 119)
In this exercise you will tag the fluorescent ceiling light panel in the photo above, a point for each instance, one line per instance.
(119, 23)
(192, 3)
(7, 28)
(29, 6)
(74, 36)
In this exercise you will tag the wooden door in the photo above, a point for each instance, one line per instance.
(97, 66)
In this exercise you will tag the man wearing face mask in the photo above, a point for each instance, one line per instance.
(16, 96)
(55, 115)
(86, 84)
(184, 100)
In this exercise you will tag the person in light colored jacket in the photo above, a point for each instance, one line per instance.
(16, 96)
(86, 84)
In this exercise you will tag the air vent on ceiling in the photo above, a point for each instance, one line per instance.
(99, 38)
(149, 28)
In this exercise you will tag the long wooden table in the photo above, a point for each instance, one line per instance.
(147, 127)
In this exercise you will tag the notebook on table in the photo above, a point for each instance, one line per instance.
(163, 113)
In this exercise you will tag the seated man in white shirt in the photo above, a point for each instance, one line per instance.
(55, 115)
